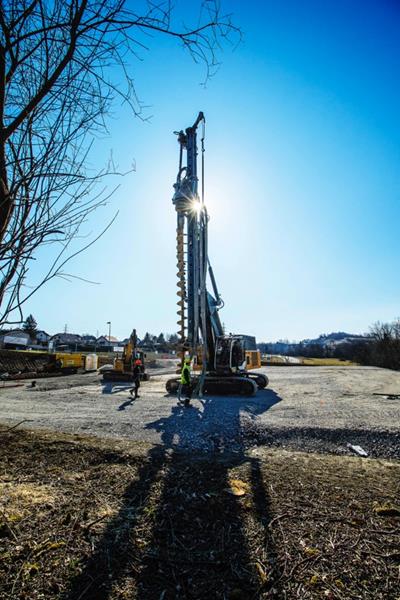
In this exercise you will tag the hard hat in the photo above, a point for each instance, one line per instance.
(138, 362)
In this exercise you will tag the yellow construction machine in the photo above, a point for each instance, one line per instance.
(123, 365)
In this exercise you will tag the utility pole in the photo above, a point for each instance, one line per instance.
(109, 333)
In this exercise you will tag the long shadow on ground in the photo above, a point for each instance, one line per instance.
(181, 531)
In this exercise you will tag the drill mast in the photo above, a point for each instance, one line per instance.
(200, 331)
(199, 324)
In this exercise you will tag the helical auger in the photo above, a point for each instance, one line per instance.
(181, 283)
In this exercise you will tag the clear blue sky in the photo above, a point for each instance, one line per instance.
(302, 180)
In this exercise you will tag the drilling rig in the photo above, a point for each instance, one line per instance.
(222, 360)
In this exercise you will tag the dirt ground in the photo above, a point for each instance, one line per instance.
(102, 498)
(304, 408)
(94, 519)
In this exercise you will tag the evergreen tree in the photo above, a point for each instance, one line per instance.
(161, 339)
(30, 326)
(148, 339)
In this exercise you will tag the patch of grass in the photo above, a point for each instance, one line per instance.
(326, 362)
(309, 362)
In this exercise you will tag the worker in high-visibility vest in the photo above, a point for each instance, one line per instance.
(186, 381)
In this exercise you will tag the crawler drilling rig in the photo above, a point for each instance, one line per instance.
(224, 359)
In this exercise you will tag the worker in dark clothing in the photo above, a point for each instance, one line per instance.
(136, 372)
(186, 382)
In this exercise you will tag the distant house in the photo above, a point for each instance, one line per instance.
(14, 339)
(66, 339)
(88, 340)
(102, 341)
(107, 342)
(42, 337)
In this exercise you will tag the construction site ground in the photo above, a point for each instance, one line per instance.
(104, 498)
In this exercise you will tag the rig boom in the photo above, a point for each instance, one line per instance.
(223, 358)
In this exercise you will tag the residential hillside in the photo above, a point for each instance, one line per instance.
(325, 344)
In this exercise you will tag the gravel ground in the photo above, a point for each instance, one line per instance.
(314, 409)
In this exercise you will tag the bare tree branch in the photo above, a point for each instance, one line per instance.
(62, 63)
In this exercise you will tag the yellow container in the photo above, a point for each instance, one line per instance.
(70, 360)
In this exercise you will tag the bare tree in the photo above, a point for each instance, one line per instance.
(381, 332)
(61, 66)
(396, 329)
(384, 350)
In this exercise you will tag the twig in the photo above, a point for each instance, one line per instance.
(14, 426)
(96, 521)
(278, 518)
(10, 529)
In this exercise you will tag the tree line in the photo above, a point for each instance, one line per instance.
(383, 349)
(380, 347)
(161, 342)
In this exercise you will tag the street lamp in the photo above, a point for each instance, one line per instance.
(109, 332)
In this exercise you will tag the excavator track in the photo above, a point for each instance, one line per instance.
(229, 386)
(260, 379)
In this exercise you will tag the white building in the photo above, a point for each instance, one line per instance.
(16, 338)
(42, 337)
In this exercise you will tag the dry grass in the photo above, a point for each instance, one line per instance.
(113, 521)
(20, 496)
(326, 362)
(308, 362)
